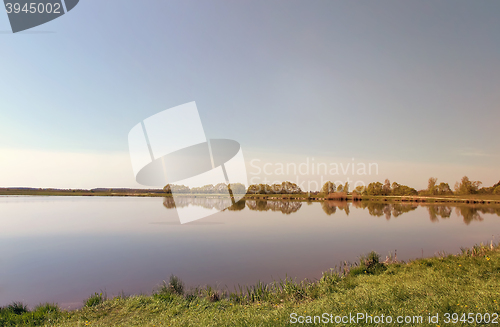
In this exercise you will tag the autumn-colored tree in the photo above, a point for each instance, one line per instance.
(360, 189)
(443, 189)
(283, 188)
(237, 188)
(176, 189)
(398, 189)
(386, 189)
(431, 186)
(375, 189)
(467, 186)
(328, 188)
(489, 190)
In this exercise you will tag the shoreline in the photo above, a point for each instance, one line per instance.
(471, 199)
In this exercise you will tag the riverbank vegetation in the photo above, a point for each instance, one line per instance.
(462, 283)
(463, 190)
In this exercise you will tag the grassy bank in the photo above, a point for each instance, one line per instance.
(465, 283)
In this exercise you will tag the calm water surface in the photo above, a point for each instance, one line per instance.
(63, 249)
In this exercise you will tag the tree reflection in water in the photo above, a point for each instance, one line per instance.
(330, 206)
(436, 211)
(238, 206)
(205, 202)
(286, 207)
(469, 212)
(388, 210)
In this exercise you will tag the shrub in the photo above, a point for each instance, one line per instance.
(369, 264)
(94, 300)
(17, 314)
(174, 286)
(47, 308)
(17, 308)
(212, 294)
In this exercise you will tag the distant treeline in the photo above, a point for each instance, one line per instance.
(237, 188)
(125, 190)
(283, 188)
(464, 187)
(220, 188)
(375, 188)
(94, 190)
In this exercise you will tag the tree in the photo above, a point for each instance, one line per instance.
(253, 189)
(339, 188)
(489, 190)
(467, 186)
(328, 188)
(444, 188)
(360, 189)
(205, 189)
(221, 188)
(290, 188)
(398, 189)
(431, 186)
(176, 189)
(386, 189)
(346, 187)
(375, 189)
(283, 188)
(237, 188)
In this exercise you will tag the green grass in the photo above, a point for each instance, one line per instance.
(17, 314)
(463, 283)
(94, 300)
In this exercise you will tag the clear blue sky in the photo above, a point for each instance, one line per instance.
(387, 81)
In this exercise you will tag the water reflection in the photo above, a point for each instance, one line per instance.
(436, 211)
(286, 207)
(238, 206)
(469, 212)
(46, 255)
(388, 210)
(219, 203)
(330, 206)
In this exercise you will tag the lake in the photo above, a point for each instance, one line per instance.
(63, 249)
